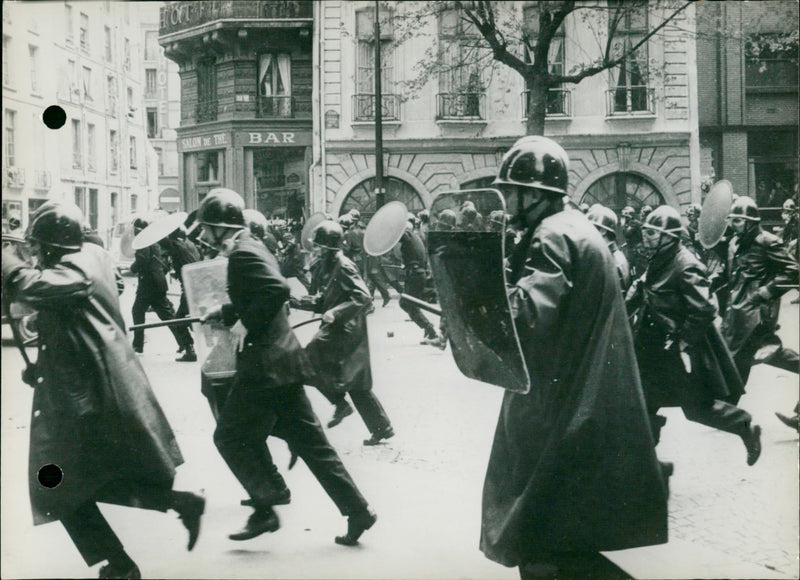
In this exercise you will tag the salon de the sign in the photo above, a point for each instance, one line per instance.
(204, 141)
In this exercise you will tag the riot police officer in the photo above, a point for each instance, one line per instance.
(606, 221)
(267, 396)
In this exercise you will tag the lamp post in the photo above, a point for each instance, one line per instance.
(380, 192)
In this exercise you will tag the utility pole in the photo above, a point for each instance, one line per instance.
(380, 192)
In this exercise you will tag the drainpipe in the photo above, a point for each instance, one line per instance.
(318, 57)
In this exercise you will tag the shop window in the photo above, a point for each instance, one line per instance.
(280, 189)
(208, 166)
(772, 160)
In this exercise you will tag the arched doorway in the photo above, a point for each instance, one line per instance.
(362, 197)
(617, 190)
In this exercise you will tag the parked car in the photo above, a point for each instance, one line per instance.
(22, 314)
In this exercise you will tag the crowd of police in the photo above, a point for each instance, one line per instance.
(616, 318)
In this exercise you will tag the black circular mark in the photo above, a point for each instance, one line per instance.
(50, 476)
(54, 117)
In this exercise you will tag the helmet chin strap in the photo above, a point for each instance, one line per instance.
(662, 245)
(536, 211)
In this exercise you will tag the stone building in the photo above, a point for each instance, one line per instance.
(246, 99)
(82, 57)
(633, 138)
(749, 106)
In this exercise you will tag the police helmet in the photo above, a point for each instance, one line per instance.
(355, 214)
(424, 216)
(645, 211)
(140, 223)
(604, 218)
(446, 219)
(789, 206)
(666, 220)
(535, 161)
(223, 208)
(693, 211)
(744, 207)
(328, 234)
(346, 221)
(256, 222)
(628, 212)
(58, 224)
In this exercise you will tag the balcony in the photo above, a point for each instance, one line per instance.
(15, 177)
(41, 179)
(206, 111)
(461, 107)
(559, 104)
(631, 101)
(276, 107)
(364, 107)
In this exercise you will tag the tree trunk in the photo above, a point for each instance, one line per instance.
(537, 105)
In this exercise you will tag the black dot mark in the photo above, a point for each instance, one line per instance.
(54, 117)
(50, 476)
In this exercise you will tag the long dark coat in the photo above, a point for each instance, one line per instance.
(94, 414)
(758, 265)
(272, 356)
(339, 351)
(150, 267)
(671, 304)
(573, 465)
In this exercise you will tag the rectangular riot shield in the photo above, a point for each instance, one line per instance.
(206, 285)
(465, 246)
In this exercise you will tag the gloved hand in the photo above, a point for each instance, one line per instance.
(29, 375)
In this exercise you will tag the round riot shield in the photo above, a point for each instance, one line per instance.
(385, 228)
(158, 230)
(714, 215)
(307, 235)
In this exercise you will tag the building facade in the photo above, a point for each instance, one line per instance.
(246, 92)
(748, 102)
(84, 58)
(632, 138)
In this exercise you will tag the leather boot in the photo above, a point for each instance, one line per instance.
(261, 521)
(752, 442)
(188, 355)
(357, 524)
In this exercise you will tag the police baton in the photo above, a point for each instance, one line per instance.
(192, 319)
(420, 303)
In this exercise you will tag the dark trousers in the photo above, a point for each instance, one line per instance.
(251, 414)
(713, 413)
(375, 277)
(183, 312)
(367, 405)
(163, 308)
(415, 286)
(91, 533)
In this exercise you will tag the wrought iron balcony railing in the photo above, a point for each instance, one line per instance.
(281, 107)
(630, 100)
(461, 106)
(41, 179)
(364, 107)
(15, 177)
(559, 103)
(206, 111)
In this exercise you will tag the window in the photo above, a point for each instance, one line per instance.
(150, 83)
(206, 91)
(111, 90)
(558, 102)
(630, 93)
(109, 45)
(6, 61)
(93, 209)
(87, 83)
(132, 152)
(160, 155)
(151, 47)
(113, 150)
(10, 152)
(70, 22)
(460, 84)
(771, 61)
(620, 189)
(208, 166)
(80, 199)
(134, 202)
(84, 39)
(152, 122)
(365, 67)
(33, 53)
(77, 142)
(127, 51)
(114, 203)
(91, 149)
(362, 196)
(131, 108)
(275, 85)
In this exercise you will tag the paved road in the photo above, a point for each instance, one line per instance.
(726, 519)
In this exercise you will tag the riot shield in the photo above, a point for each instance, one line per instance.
(466, 255)
(206, 286)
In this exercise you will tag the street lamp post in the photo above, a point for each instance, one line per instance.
(380, 192)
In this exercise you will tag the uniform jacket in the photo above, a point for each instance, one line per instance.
(623, 268)
(293, 262)
(340, 350)
(149, 266)
(412, 252)
(573, 465)
(670, 307)
(181, 252)
(758, 264)
(272, 355)
(94, 414)
(353, 246)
